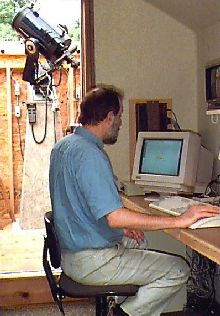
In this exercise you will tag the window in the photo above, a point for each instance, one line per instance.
(12, 61)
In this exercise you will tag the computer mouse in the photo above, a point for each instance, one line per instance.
(207, 222)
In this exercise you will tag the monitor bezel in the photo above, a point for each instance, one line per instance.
(188, 164)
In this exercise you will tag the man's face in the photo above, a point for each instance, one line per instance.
(112, 133)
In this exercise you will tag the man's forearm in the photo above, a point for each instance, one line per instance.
(125, 218)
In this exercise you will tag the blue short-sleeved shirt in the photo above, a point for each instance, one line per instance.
(83, 191)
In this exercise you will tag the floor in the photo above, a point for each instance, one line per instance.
(71, 309)
(21, 250)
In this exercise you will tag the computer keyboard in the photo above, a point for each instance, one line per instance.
(176, 205)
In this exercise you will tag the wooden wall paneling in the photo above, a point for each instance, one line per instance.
(8, 65)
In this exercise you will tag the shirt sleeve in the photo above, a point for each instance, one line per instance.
(96, 182)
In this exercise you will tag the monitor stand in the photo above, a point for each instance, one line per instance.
(152, 196)
(129, 188)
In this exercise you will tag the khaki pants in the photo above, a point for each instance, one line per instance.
(159, 275)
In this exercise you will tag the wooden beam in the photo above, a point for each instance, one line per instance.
(13, 61)
(71, 110)
(25, 290)
(10, 141)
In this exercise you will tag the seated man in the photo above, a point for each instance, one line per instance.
(91, 221)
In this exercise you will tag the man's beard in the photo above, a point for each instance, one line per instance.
(110, 141)
(112, 136)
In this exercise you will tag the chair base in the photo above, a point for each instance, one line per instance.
(101, 306)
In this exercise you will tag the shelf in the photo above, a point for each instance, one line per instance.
(213, 112)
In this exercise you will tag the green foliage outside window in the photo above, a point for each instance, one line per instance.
(75, 31)
(8, 9)
(7, 12)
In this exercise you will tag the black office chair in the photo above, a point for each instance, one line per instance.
(62, 286)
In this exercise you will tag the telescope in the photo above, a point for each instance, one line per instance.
(40, 38)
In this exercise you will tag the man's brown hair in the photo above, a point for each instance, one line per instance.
(98, 102)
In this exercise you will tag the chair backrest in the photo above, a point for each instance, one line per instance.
(52, 240)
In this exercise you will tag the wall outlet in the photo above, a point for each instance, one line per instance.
(17, 111)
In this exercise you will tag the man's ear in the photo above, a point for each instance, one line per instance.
(110, 117)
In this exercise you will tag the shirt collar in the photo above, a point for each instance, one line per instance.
(89, 136)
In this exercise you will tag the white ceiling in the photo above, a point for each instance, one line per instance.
(196, 14)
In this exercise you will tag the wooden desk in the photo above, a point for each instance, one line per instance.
(206, 241)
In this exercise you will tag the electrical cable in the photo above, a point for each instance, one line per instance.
(46, 95)
(60, 79)
(76, 98)
(20, 142)
(67, 103)
(18, 123)
(212, 187)
(200, 286)
(54, 127)
(175, 123)
(45, 127)
(19, 133)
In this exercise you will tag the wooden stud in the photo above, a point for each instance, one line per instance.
(10, 141)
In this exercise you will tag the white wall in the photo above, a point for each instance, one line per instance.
(147, 54)
(208, 53)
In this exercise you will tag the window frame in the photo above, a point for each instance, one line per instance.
(87, 46)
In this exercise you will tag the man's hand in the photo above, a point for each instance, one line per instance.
(137, 235)
(196, 212)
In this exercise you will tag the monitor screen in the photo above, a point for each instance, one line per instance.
(161, 157)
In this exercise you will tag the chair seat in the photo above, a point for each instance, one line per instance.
(73, 289)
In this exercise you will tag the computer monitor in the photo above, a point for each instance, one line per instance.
(172, 162)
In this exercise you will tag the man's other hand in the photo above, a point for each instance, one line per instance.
(137, 235)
